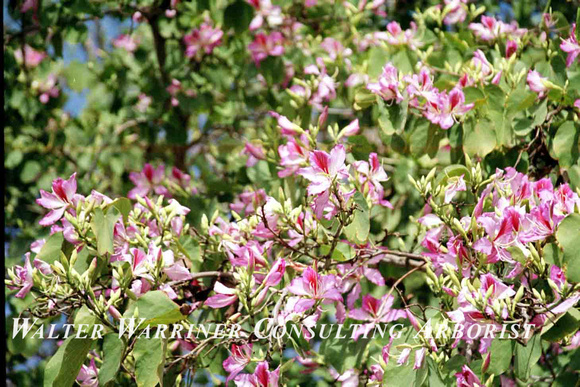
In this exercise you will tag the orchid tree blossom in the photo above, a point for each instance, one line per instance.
(571, 47)
(224, 296)
(148, 180)
(444, 109)
(314, 287)
(387, 86)
(88, 375)
(62, 197)
(376, 311)
(240, 357)
(262, 377)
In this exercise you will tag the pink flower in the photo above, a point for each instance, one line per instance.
(316, 287)
(370, 176)
(247, 202)
(420, 85)
(499, 235)
(334, 48)
(348, 379)
(376, 311)
(48, 89)
(574, 342)
(275, 274)
(266, 45)
(224, 296)
(88, 376)
(558, 277)
(351, 283)
(395, 36)
(27, 5)
(466, 378)
(265, 10)
(288, 128)
(571, 46)
(537, 83)
(202, 39)
(150, 179)
(326, 85)
(577, 104)
(419, 358)
(261, 377)
(23, 278)
(491, 29)
(387, 86)
(324, 169)
(31, 58)
(549, 20)
(454, 185)
(137, 17)
(126, 42)
(444, 108)
(480, 62)
(404, 356)
(350, 130)
(510, 48)
(141, 263)
(386, 349)
(241, 356)
(63, 196)
(292, 156)
(500, 290)
(255, 153)
(356, 79)
(144, 102)
(176, 271)
(455, 11)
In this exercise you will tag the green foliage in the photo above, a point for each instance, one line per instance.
(63, 368)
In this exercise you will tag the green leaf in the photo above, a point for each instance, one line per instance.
(238, 16)
(454, 170)
(501, 356)
(363, 98)
(297, 338)
(552, 254)
(435, 379)
(30, 172)
(399, 376)
(124, 206)
(156, 308)
(526, 356)
(567, 236)
(577, 24)
(479, 138)
(103, 225)
(342, 252)
(566, 325)
(425, 139)
(377, 59)
(50, 251)
(474, 95)
(358, 231)
(566, 144)
(63, 368)
(272, 68)
(392, 118)
(149, 361)
(85, 316)
(113, 348)
(342, 354)
(79, 76)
